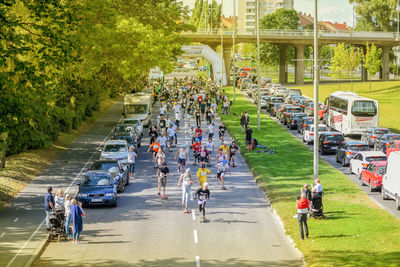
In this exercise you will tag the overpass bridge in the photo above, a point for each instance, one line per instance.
(299, 39)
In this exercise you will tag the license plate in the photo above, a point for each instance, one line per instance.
(96, 200)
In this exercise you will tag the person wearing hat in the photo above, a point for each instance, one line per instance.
(202, 195)
(223, 167)
(183, 156)
(187, 182)
(162, 179)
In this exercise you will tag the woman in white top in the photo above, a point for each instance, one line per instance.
(187, 181)
(59, 199)
(67, 205)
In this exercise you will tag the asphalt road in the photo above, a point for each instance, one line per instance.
(331, 159)
(144, 230)
(22, 225)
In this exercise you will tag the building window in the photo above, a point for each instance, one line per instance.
(271, 4)
(250, 24)
(251, 11)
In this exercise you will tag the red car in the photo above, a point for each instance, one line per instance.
(395, 146)
(372, 174)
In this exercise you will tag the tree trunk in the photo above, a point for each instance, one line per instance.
(370, 85)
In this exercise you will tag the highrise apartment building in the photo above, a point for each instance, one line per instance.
(247, 11)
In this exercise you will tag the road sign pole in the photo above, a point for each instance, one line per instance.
(258, 67)
(234, 51)
(316, 107)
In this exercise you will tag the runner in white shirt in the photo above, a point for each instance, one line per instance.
(171, 135)
(162, 141)
(210, 131)
(210, 150)
(162, 110)
(223, 167)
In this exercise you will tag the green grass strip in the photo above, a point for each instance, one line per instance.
(357, 232)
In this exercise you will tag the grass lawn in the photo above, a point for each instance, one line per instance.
(356, 233)
(387, 93)
(24, 167)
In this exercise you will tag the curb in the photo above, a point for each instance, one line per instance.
(38, 251)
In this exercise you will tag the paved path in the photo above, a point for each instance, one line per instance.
(147, 231)
(21, 223)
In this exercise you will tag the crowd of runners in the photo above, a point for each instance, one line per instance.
(189, 107)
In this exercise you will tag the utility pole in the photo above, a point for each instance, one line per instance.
(316, 78)
(234, 51)
(258, 66)
(205, 17)
(222, 45)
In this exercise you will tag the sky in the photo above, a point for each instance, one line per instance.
(334, 11)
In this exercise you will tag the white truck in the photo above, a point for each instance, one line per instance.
(391, 180)
(138, 106)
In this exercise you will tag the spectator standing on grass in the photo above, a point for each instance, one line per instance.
(317, 189)
(49, 205)
(242, 121)
(77, 221)
(306, 191)
(302, 208)
(248, 138)
(247, 118)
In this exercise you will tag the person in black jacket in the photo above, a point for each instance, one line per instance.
(202, 195)
(242, 121)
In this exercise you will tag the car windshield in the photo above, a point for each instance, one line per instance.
(97, 180)
(364, 108)
(359, 148)
(376, 158)
(323, 129)
(115, 148)
(381, 131)
(123, 128)
(299, 116)
(393, 137)
(335, 138)
(381, 170)
(308, 121)
(136, 109)
(105, 166)
(128, 139)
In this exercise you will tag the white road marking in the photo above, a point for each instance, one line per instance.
(16, 219)
(197, 261)
(2, 234)
(66, 191)
(196, 240)
(193, 215)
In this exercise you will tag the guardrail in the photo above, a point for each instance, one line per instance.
(296, 33)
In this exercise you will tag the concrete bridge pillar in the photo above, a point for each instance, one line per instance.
(282, 64)
(227, 61)
(299, 64)
(385, 63)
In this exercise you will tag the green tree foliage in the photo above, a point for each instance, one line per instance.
(206, 13)
(281, 19)
(59, 59)
(372, 60)
(376, 15)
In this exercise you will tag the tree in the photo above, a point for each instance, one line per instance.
(372, 61)
(203, 10)
(354, 60)
(340, 63)
(376, 15)
(281, 19)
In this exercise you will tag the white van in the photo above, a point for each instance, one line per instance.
(138, 106)
(391, 180)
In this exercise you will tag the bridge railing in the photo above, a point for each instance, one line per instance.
(295, 33)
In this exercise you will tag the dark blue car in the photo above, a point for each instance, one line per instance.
(98, 188)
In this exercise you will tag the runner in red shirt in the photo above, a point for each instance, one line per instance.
(199, 133)
(196, 150)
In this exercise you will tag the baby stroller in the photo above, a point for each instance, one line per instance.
(57, 225)
(317, 210)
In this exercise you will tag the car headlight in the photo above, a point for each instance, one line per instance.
(109, 194)
(83, 195)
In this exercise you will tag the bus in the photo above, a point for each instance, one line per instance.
(138, 106)
(350, 113)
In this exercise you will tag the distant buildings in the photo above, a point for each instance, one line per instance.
(307, 22)
(247, 11)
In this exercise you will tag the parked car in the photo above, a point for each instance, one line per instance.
(329, 142)
(280, 91)
(385, 141)
(280, 110)
(263, 101)
(287, 111)
(308, 133)
(372, 134)
(117, 170)
(391, 182)
(123, 128)
(304, 102)
(309, 108)
(303, 124)
(132, 140)
(97, 188)
(272, 101)
(349, 149)
(115, 149)
(372, 175)
(395, 146)
(363, 158)
(293, 120)
(136, 122)
(274, 109)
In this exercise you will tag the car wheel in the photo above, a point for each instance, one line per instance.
(383, 194)
(337, 158)
(361, 180)
(114, 204)
(370, 186)
(127, 180)
(398, 202)
(344, 162)
(351, 168)
(139, 144)
(359, 175)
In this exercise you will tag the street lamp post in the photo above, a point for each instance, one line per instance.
(258, 66)
(205, 17)
(222, 45)
(234, 58)
(316, 78)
